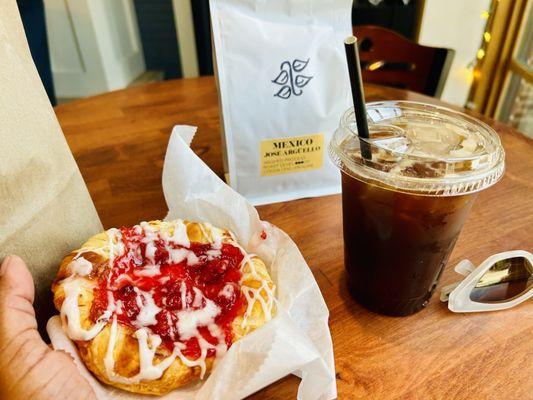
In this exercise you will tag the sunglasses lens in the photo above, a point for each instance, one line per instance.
(505, 280)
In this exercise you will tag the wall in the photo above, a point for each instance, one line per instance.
(94, 45)
(118, 39)
(183, 17)
(455, 24)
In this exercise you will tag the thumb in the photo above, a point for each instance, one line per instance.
(17, 316)
(29, 368)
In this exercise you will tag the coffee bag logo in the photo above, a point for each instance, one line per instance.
(290, 79)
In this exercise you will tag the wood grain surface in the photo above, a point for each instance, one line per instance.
(119, 140)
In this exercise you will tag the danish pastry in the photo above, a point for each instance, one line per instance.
(151, 307)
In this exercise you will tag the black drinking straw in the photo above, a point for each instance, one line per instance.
(358, 95)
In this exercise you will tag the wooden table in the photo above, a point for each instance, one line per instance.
(119, 140)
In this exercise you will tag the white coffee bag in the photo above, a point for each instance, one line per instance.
(283, 85)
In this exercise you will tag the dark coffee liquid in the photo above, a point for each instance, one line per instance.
(397, 244)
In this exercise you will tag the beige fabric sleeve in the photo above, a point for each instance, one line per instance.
(45, 208)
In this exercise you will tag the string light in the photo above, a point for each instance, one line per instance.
(469, 73)
(375, 65)
(480, 54)
(475, 66)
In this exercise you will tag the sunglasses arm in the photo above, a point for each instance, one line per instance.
(464, 268)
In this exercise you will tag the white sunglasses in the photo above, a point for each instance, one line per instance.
(501, 281)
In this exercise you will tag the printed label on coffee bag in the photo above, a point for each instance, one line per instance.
(291, 154)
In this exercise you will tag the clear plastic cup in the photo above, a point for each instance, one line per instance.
(403, 209)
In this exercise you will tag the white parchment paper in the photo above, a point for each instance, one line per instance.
(297, 340)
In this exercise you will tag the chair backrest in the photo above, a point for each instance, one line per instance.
(390, 59)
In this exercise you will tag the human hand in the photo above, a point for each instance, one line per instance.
(29, 368)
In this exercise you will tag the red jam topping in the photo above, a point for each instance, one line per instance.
(171, 280)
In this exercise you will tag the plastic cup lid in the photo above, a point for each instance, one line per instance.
(420, 148)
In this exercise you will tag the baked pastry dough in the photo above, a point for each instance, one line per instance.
(151, 307)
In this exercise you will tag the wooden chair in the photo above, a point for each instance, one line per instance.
(390, 59)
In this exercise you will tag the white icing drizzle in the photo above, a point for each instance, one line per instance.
(147, 229)
(122, 279)
(221, 349)
(212, 254)
(109, 360)
(198, 297)
(188, 322)
(189, 319)
(70, 313)
(254, 295)
(150, 251)
(179, 236)
(215, 331)
(183, 295)
(197, 310)
(119, 307)
(115, 245)
(170, 324)
(178, 255)
(149, 270)
(80, 266)
(192, 259)
(147, 309)
(252, 271)
(149, 238)
(247, 259)
(111, 307)
(113, 248)
(103, 251)
(214, 235)
(227, 291)
(147, 369)
(200, 361)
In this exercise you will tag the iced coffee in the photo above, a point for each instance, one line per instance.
(404, 207)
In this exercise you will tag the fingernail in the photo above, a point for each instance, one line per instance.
(4, 265)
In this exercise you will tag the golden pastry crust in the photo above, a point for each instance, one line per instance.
(255, 281)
